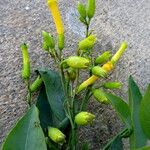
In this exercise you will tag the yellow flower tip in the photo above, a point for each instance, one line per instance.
(52, 2)
(108, 66)
(120, 52)
(53, 6)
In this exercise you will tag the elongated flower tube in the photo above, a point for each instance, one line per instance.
(53, 6)
(26, 62)
(84, 118)
(119, 53)
(107, 67)
(56, 135)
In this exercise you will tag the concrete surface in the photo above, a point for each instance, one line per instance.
(115, 21)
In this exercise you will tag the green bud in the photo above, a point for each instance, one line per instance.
(87, 43)
(36, 84)
(71, 74)
(103, 58)
(45, 47)
(91, 8)
(99, 71)
(48, 40)
(77, 62)
(61, 41)
(56, 135)
(82, 10)
(100, 96)
(112, 85)
(26, 62)
(84, 118)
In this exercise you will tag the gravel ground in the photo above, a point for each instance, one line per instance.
(115, 21)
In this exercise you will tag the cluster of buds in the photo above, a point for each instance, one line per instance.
(106, 68)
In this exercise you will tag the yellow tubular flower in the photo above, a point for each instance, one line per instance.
(53, 6)
(107, 67)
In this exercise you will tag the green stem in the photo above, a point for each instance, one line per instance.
(29, 96)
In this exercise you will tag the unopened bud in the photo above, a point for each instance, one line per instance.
(61, 41)
(84, 118)
(36, 84)
(100, 96)
(26, 62)
(91, 8)
(87, 43)
(112, 85)
(103, 58)
(82, 10)
(119, 53)
(77, 62)
(45, 47)
(48, 40)
(99, 71)
(56, 135)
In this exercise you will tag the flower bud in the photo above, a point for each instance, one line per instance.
(87, 43)
(84, 118)
(91, 8)
(26, 62)
(99, 71)
(71, 74)
(82, 10)
(61, 41)
(77, 62)
(103, 58)
(48, 41)
(45, 47)
(119, 53)
(56, 135)
(108, 66)
(36, 84)
(100, 96)
(112, 85)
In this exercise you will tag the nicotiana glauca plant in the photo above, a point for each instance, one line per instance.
(52, 120)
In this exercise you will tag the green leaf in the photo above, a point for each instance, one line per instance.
(45, 112)
(55, 94)
(116, 144)
(122, 109)
(144, 148)
(145, 113)
(27, 134)
(137, 138)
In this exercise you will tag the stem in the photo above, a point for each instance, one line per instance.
(85, 100)
(29, 96)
